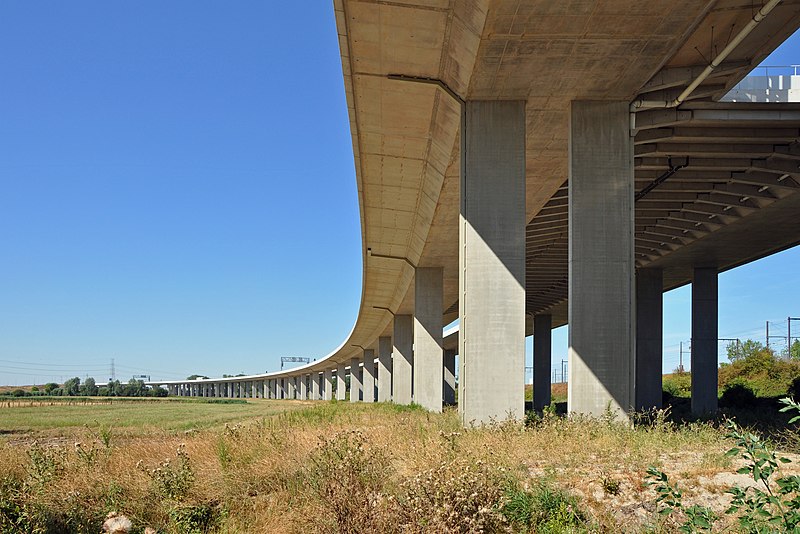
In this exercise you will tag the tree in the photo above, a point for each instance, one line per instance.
(72, 386)
(49, 387)
(196, 377)
(741, 351)
(135, 388)
(89, 387)
(794, 351)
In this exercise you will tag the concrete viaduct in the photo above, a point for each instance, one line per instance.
(524, 164)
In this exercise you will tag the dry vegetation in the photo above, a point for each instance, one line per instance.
(337, 467)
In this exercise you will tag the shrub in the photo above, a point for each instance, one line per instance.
(738, 394)
(678, 384)
(348, 479)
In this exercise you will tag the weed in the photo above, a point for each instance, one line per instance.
(543, 508)
(348, 479)
(610, 485)
(764, 509)
(196, 518)
(461, 495)
(45, 463)
(172, 480)
(670, 500)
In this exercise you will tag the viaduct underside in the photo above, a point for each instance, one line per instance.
(527, 164)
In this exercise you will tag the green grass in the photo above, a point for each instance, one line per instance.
(136, 415)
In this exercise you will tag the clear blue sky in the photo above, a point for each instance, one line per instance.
(177, 192)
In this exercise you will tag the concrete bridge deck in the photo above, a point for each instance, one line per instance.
(526, 164)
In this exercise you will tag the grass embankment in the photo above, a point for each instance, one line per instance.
(338, 467)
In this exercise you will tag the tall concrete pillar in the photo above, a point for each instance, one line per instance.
(340, 382)
(704, 340)
(315, 386)
(293, 388)
(327, 384)
(303, 394)
(355, 380)
(264, 389)
(601, 269)
(649, 338)
(492, 262)
(283, 384)
(542, 359)
(449, 378)
(384, 369)
(428, 338)
(402, 359)
(276, 388)
(368, 376)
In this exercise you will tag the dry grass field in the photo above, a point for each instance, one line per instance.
(291, 466)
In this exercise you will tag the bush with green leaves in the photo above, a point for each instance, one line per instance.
(773, 504)
(670, 503)
(738, 394)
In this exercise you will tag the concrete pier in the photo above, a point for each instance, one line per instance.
(649, 338)
(341, 385)
(428, 338)
(542, 360)
(327, 384)
(384, 369)
(355, 380)
(368, 376)
(402, 359)
(492, 262)
(704, 340)
(601, 269)
(449, 378)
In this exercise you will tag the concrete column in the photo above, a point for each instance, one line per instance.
(384, 369)
(449, 378)
(264, 389)
(542, 359)
(601, 269)
(341, 387)
(704, 340)
(649, 338)
(276, 388)
(368, 376)
(327, 384)
(315, 379)
(303, 395)
(293, 388)
(492, 262)
(283, 384)
(355, 380)
(428, 338)
(402, 359)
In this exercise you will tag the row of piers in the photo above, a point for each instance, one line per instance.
(614, 311)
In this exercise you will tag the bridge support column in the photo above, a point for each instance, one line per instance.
(303, 394)
(428, 338)
(315, 386)
(384, 369)
(402, 359)
(355, 380)
(601, 269)
(449, 378)
(368, 374)
(341, 386)
(704, 340)
(327, 384)
(492, 262)
(649, 338)
(542, 359)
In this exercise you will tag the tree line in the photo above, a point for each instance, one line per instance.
(89, 388)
